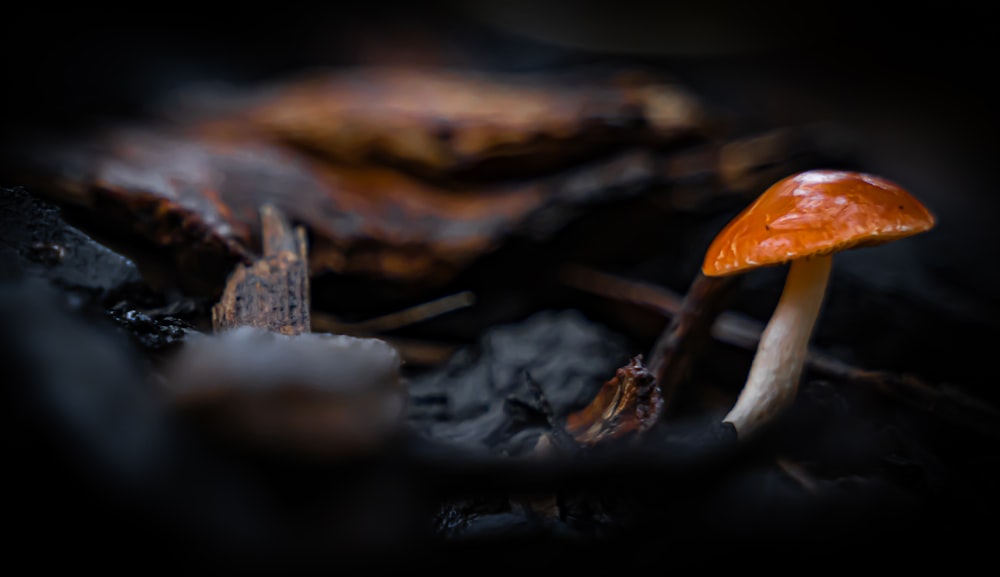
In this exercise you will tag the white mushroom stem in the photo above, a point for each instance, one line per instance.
(777, 367)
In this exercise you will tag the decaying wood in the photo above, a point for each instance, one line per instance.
(943, 401)
(273, 292)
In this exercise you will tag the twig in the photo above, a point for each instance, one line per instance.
(328, 323)
(738, 330)
(419, 352)
(636, 292)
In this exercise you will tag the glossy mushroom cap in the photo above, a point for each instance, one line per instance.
(815, 213)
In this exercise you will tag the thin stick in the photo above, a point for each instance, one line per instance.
(328, 323)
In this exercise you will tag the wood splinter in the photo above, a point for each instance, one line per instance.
(272, 293)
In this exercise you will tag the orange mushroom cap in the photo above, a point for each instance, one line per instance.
(814, 213)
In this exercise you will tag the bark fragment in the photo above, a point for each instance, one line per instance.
(273, 292)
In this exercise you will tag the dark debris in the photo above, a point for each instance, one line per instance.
(36, 241)
(152, 333)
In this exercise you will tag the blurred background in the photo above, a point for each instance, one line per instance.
(905, 90)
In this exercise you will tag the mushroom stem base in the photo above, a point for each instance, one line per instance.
(774, 376)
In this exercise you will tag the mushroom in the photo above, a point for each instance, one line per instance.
(802, 220)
